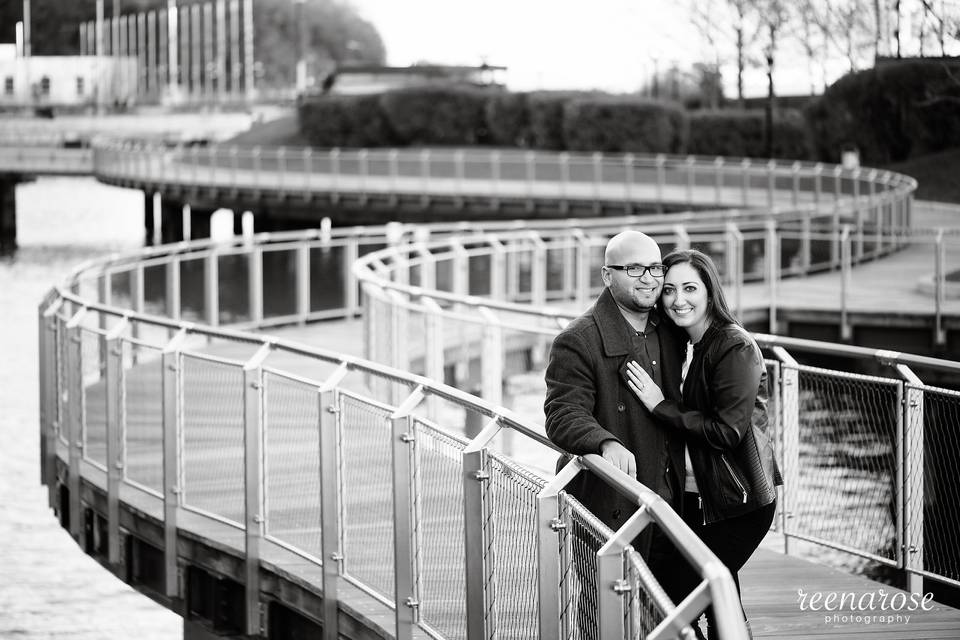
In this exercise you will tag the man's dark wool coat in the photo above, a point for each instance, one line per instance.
(588, 401)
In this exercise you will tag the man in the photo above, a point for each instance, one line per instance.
(590, 409)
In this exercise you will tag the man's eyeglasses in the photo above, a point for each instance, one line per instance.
(637, 270)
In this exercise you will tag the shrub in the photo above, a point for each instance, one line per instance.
(344, 121)
(546, 110)
(508, 120)
(892, 112)
(739, 133)
(624, 124)
(437, 114)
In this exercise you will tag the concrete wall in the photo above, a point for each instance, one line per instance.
(70, 80)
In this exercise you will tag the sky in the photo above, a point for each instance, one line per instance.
(612, 45)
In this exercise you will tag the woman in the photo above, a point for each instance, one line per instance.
(729, 493)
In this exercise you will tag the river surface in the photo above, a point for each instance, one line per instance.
(49, 588)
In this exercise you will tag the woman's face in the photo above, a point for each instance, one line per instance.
(685, 299)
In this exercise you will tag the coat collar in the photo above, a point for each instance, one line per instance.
(615, 331)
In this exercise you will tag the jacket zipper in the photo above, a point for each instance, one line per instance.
(734, 476)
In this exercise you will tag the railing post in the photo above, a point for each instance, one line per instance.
(773, 272)
(549, 568)
(683, 238)
(745, 181)
(771, 181)
(211, 288)
(334, 157)
(583, 271)
(50, 366)
(660, 161)
(790, 429)
(597, 159)
(611, 585)
(628, 180)
(351, 253)
(330, 490)
(74, 371)
(477, 510)
(255, 284)
(735, 264)
(406, 581)
(538, 270)
(498, 269)
(116, 437)
(846, 265)
(913, 472)
(718, 179)
(303, 282)
(172, 470)
(858, 212)
(939, 276)
(253, 473)
(806, 245)
(173, 288)
(434, 348)
(530, 163)
(399, 347)
(491, 358)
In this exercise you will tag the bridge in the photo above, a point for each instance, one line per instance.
(264, 484)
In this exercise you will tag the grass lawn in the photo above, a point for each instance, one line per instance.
(937, 173)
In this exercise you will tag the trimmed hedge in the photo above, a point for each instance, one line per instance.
(508, 119)
(344, 121)
(546, 117)
(437, 115)
(892, 112)
(618, 124)
(742, 134)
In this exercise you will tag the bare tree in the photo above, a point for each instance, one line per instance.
(729, 23)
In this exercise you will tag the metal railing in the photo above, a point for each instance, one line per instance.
(118, 387)
(233, 429)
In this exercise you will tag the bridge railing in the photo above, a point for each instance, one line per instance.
(496, 174)
(272, 447)
(833, 424)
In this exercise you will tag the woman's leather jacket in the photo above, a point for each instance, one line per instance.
(723, 416)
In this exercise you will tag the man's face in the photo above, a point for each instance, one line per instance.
(638, 294)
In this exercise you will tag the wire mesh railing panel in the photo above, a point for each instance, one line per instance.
(94, 396)
(366, 494)
(512, 540)
(280, 265)
(142, 410)
(233, 283)
(439, 550)
(646, 604)
(292, 456)
(941, 484)
(580, 541)
(848, 465)
(212, 436)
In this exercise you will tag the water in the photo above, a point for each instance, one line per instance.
(49, 588)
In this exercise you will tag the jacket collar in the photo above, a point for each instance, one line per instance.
(615, 331)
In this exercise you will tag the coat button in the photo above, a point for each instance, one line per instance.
(621, 407)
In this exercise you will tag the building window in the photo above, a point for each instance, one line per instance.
(79, 85)
(8, 86)
(45, 86)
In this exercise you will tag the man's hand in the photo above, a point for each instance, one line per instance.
(619, 456)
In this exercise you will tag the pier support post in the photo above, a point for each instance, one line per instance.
(171, 222)
(200, 223)
(149, 224)
(8, 214)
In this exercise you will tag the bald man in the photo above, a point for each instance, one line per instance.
(590, 409)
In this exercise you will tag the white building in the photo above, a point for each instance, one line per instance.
(65, 81)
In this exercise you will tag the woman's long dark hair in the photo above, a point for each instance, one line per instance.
(704, 266)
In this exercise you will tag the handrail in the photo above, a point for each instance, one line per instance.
(382, 278)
